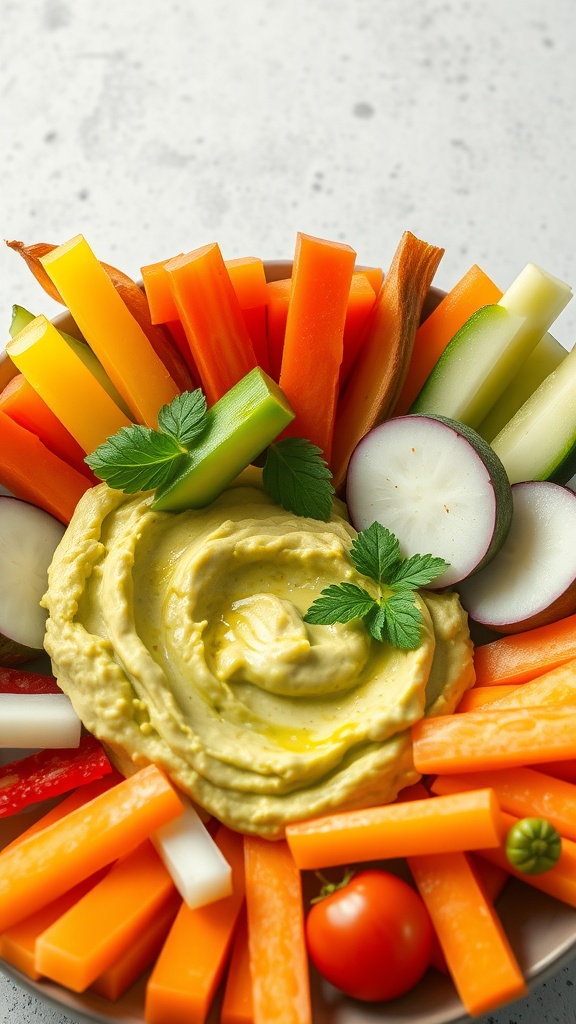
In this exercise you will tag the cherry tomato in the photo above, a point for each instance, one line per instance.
(372, 938)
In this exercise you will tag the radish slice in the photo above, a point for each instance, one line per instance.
(437, 486)
(38, 720)
(533, 579)
(28, 538)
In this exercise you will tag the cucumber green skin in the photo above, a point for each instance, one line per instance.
(238, 427)
(498, 479)
(13, 654)
(565, 468)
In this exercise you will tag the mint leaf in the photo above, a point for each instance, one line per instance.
(341, 602)
(185, 417)
(296, 477)
(136, 458)
(403, 621)
(376, 553)
(416, 572)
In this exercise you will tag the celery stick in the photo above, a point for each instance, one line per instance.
(238, 427)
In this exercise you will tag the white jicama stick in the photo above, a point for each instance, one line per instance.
(198, 869)
(38, 720)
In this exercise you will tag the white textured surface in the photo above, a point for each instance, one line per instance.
(154, 127)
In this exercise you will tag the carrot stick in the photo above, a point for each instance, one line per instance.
(277, 302)
(276, 939)
(237, 1005)
(156, 281)
(360, 304)
(462, 822)
(555, 689)
(212, 319)
(521, 657)
(32, 472)
(378, 376)
(313, 343)
(249, 283)
(191, 964)
(23, 404)
(483, 696)
(491, 878)
(472, 292)
(18, 943)
(560, 769)
(482, 740)
(479, 957)
(374, 274)
(46, 864)
(103, 924)
(141, 953)
(559, 881)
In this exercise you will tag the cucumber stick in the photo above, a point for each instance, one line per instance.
(238, 428)
(22, 317)
(487, 352)
(539, 442)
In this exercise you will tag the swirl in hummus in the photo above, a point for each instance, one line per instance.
(180, 640)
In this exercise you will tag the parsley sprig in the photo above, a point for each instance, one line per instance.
(138, 458)
(393, 616)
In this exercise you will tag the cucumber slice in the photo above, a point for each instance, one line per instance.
(539, 442)
(532, 581)
(486, 353)
(541, 362)
(21, 318)
(28, 538)
(238, 427)
(437, 486)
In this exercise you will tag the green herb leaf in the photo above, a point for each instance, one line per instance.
(296, 477)
(136, 458)
(185, 417)
(403, 621)
(416, 571)
(376, 553)
(341, 602)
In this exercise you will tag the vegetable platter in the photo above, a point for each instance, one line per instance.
(435, 374)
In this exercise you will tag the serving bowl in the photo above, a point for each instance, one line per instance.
(541, 930)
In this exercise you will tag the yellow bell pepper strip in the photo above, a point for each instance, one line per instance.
(46, 864)
(212, 319)
(103, 924)
(110, 329)
(65, 384)
(189, 969)
(478, 954)
(49, 773)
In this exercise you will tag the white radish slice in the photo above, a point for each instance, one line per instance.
(38, 720)
(28, 538)
(199, 870)
(532, 580)
(437, 486)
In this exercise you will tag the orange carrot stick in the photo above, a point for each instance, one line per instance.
(142, 952)
(472, 292)
(191, 964)
(156, 281)
(555, 689)
(559, 881)
(103, 924)
(462, 822)
(360, 304)
(278, 300)
(212, 319)
(237, 1005)
(18, 943)
(313, 343)
(523, 656)
(374, 274)
(276, 939)
(521, 791)
(32, 472)
(483, 696)
(560, 769)
(249, 283)
(23, 404)
(479, 957)
(378, 376)
(482, 740)
(46, 864)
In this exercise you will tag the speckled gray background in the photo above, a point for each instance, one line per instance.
(155, 127)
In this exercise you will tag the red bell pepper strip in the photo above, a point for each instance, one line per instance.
(50, 773)
(15, 680)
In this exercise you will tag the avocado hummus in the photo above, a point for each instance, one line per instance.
(179, 639)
